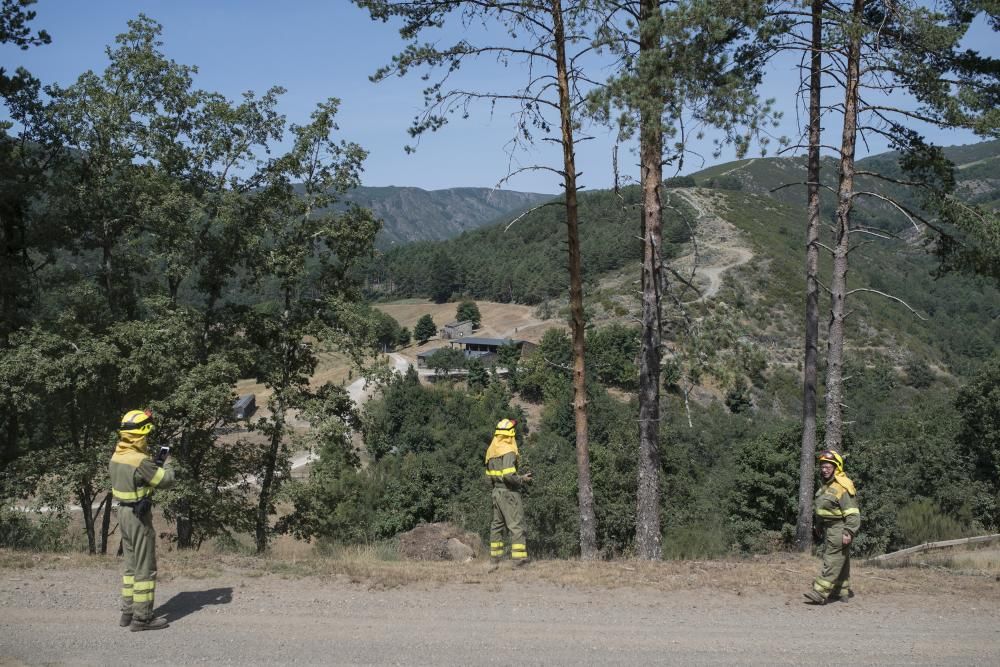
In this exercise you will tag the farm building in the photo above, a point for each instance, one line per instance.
(457, 329)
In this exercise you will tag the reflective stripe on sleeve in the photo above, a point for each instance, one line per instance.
(830, 514)
(158, 477)
(129, 496)
(851, 510)
(501, 473)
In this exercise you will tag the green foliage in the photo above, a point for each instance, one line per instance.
(680, 182)
(387, 332)
(478, 377)
(165, 259)
(922, 521)
(425, 329)
(23, 530)
(911, 457)
(428, 445)
(404, 337)
(525, 264)
(469, 311)
(612, 352)
(978, 406)
(764, 497)
(919, 374)
(724, 183)
(446, 359)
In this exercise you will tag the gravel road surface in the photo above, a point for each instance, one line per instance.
(69, 617)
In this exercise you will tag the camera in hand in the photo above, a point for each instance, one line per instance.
(161, 456)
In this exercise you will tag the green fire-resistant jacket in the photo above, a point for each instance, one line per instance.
(836, 505)
(133, 473)
(502, 470)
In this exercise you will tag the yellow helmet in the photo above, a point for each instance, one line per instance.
(137, 422)
(834, 457)
(506, 427)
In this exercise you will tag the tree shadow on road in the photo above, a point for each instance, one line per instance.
(190, 602)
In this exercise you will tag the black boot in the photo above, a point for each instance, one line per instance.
(150, 624)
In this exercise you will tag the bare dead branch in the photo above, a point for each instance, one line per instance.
(888, 296)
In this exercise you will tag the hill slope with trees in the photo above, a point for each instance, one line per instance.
(413, 214)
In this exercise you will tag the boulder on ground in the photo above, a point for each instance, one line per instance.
(439, 541)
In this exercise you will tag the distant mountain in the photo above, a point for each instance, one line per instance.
(978, 175)
(412, 214)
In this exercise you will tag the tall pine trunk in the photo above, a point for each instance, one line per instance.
(803, 527)
(648, 540)
(585, 494)
(841, 249)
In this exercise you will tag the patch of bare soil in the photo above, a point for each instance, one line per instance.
(439, 541)
(242, 610)
(719, 246)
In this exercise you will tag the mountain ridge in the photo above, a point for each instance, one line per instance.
(413, 214)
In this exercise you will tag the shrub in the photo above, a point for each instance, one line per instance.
(923, 521)
(44, 532)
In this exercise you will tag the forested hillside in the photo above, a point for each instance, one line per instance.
(524, 262)
(977, 174)
(412, 214)
(521, 261)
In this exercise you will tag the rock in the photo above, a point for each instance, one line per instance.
(439, 541)
(459, 551)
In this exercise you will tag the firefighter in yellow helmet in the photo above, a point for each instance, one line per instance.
(134, 476)
(838, 520)
(502, 460)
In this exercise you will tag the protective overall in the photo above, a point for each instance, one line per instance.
(502, 459)
(134, 475)
(837, 513)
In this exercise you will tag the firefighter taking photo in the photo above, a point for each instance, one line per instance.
(502, 462)
(134, 476)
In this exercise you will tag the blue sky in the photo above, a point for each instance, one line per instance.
(318, 49)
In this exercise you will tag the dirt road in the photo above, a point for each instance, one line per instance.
(56, 616)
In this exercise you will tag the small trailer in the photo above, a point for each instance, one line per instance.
(244, 406)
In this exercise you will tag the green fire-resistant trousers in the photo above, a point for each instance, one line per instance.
(834, 579)
(508, 513)
(139, 578)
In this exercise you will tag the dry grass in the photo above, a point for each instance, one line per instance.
(965, 561)
(333, 367)
(499, 320)
(375, 566)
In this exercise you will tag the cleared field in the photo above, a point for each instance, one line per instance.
(499, 320)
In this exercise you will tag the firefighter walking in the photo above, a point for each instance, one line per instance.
(134, 475)
(838, 520)
(502, 460)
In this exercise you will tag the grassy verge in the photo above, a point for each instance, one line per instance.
(975, 573)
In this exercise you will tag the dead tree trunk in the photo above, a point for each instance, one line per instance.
(841, 249)
(803, 526)
(585, 494)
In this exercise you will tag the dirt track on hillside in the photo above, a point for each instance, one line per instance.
(463, 615)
